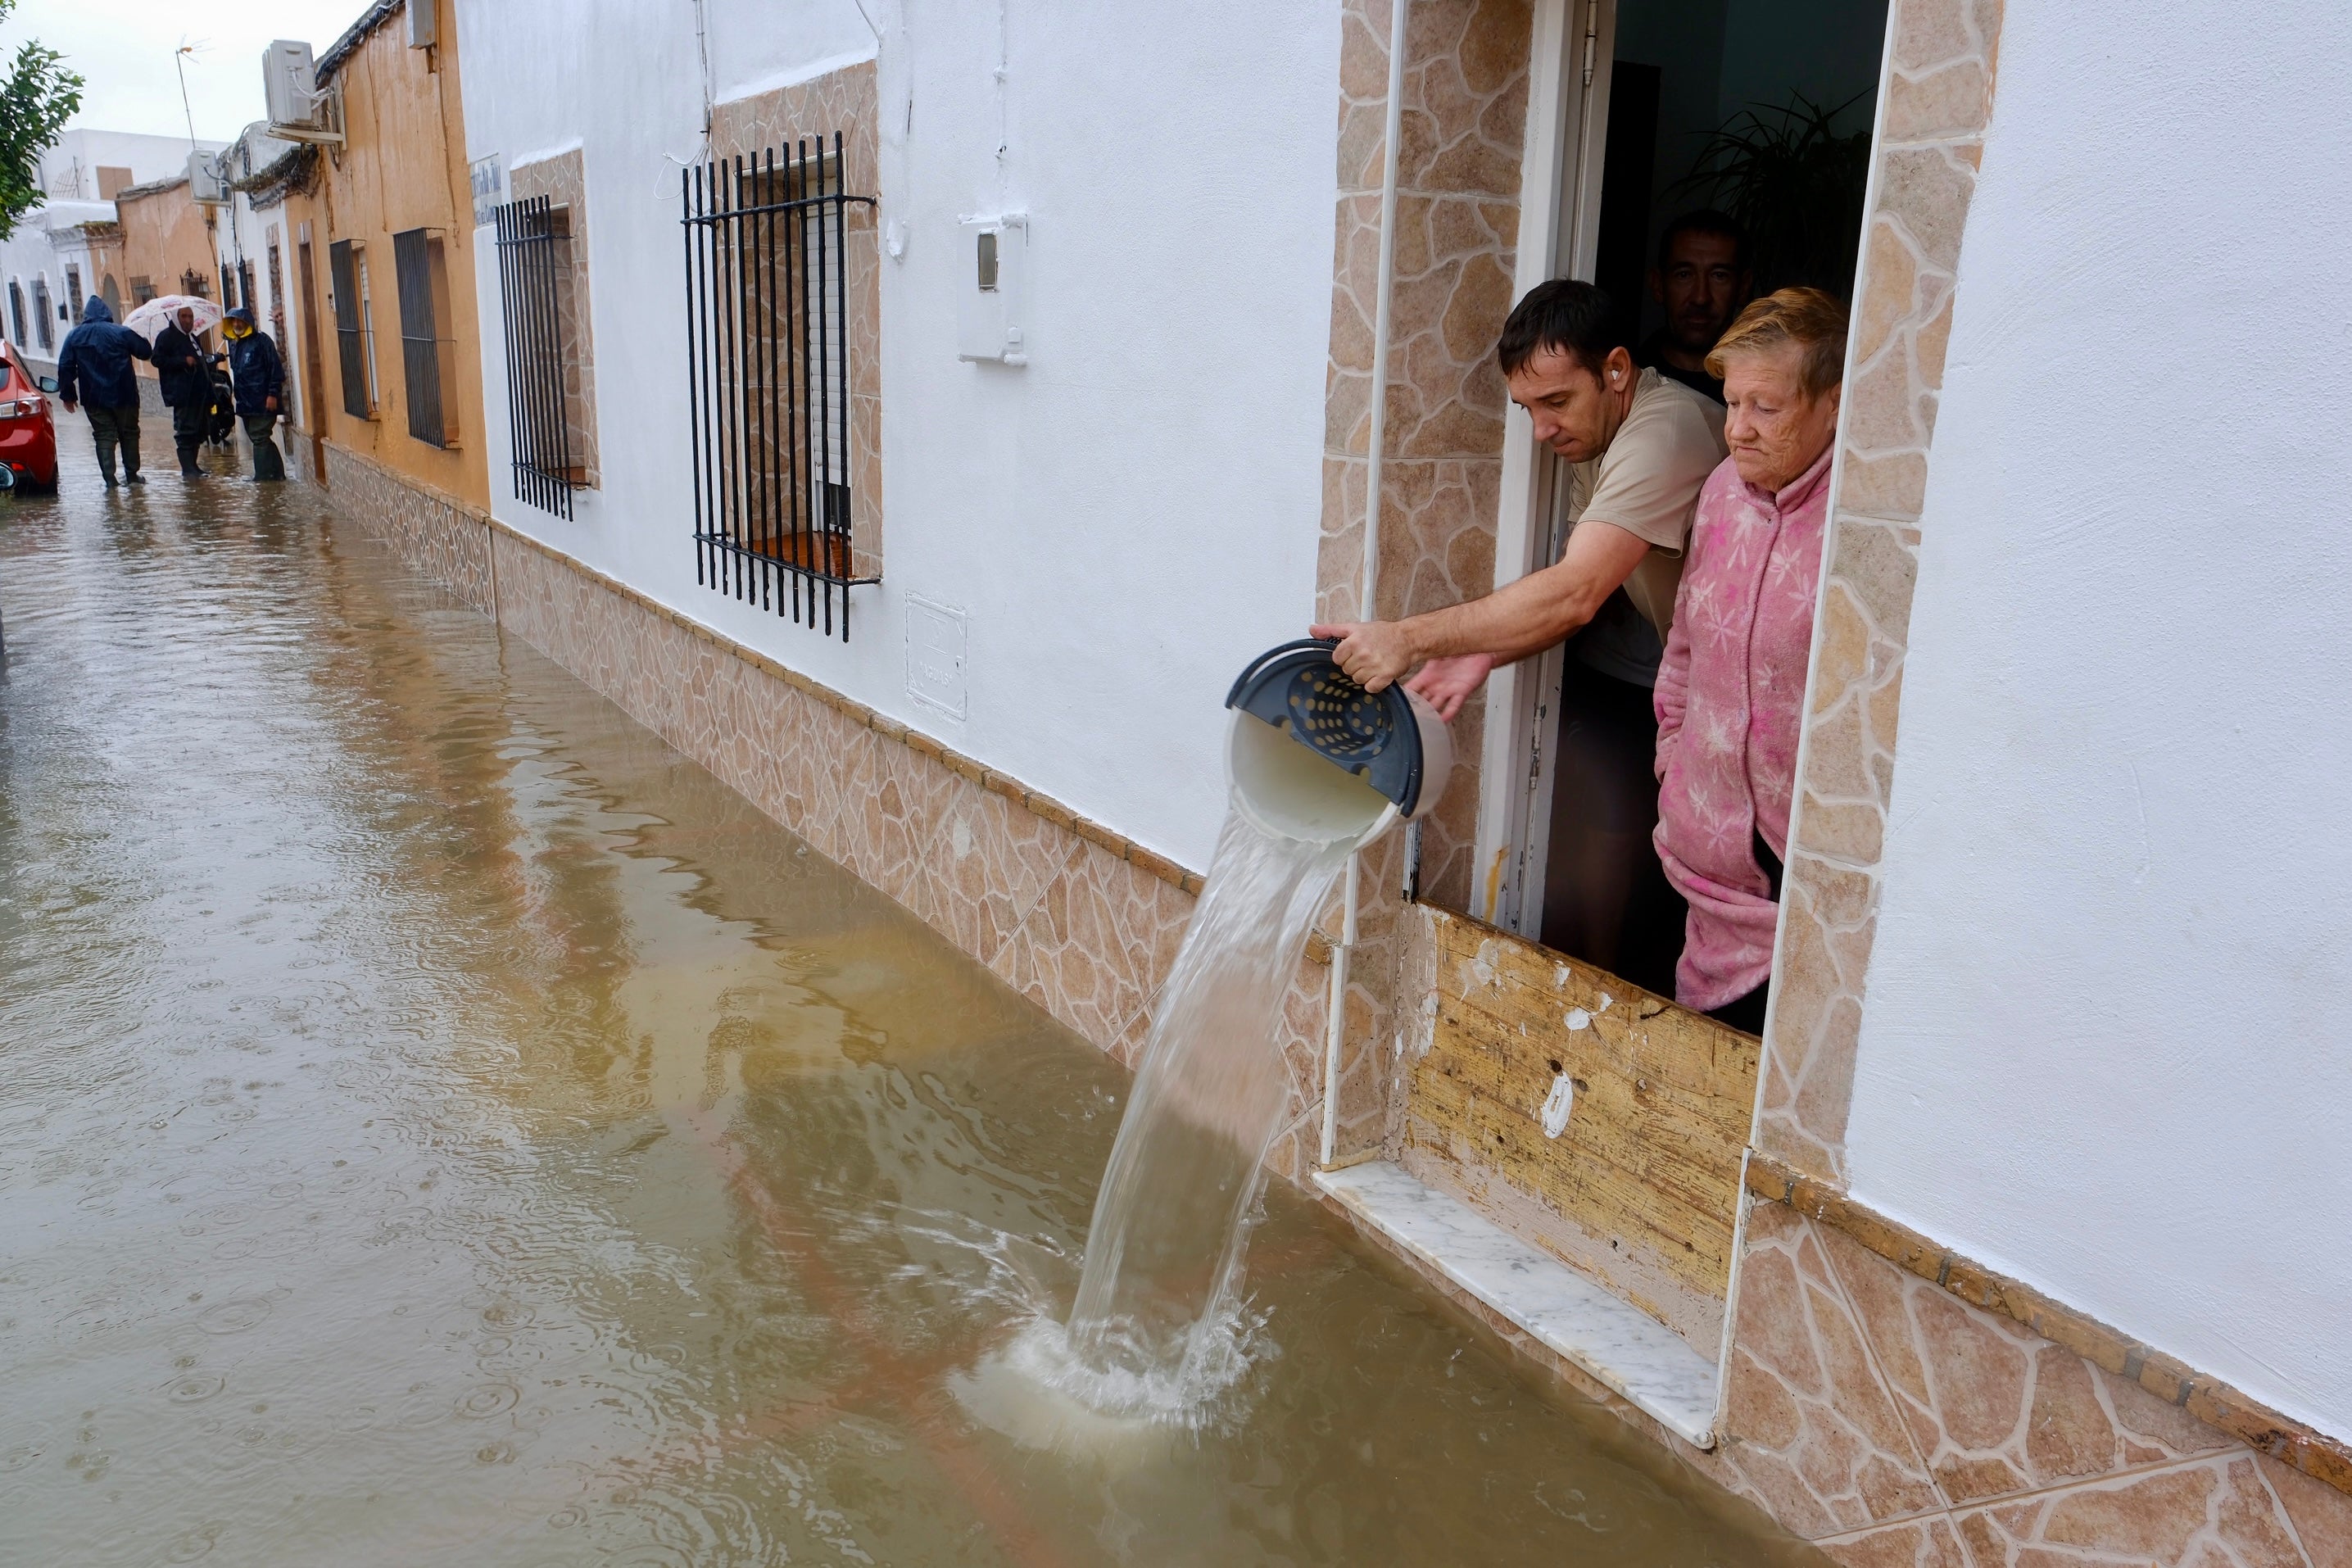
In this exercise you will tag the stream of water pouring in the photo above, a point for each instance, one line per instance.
(1156, 1331)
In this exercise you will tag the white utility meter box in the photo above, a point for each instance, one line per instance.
(989, 314)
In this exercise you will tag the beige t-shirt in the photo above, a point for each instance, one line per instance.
(1647, 483)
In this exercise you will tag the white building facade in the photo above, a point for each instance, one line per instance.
(46, 265)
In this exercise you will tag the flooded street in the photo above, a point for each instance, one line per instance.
(440, 1124)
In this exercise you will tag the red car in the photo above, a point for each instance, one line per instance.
(29, 430)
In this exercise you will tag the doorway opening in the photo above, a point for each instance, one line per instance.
(1711, 152)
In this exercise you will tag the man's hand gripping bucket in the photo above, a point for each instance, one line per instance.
(1314, 756)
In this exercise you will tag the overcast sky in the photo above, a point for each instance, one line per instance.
(123, 49)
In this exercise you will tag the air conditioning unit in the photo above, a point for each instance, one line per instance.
(207, 180)
(299, 111)
(424, 23)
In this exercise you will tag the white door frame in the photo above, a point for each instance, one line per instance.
(1560, 223)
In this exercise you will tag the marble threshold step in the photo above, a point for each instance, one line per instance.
(1575, 1315)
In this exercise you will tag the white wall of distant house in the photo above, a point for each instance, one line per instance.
(2107, 1045)
(70, 169)
(1123, 522)
(29, 254)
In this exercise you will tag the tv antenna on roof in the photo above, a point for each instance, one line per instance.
(180, 58)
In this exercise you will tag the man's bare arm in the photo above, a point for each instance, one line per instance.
(1520, 618)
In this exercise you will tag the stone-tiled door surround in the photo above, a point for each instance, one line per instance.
(1932, 110)
(1463, 124)
(1462, 130)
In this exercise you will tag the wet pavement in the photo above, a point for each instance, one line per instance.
(438, 1123)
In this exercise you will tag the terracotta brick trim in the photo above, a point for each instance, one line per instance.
(2209, 1399)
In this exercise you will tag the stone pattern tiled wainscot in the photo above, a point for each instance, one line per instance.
(1892, 1422)
(439, 535)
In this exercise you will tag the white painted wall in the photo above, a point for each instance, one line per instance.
(2107, 1045)
(69, 171)
(1125, 521)
(30, 251)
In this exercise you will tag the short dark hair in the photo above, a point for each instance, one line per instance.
(1705, 220)
(1566, 315)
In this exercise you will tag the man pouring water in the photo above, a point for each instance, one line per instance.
(1637, 445)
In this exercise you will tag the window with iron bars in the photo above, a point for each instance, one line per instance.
(767, 300)
(429, 351)
(354, 342)
(534, 273)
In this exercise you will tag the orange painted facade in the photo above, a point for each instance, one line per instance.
(168, 246)
(402, 168)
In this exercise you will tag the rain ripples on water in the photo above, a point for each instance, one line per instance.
(440, 1124)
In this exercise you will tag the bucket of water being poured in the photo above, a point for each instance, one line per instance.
(1314, 756)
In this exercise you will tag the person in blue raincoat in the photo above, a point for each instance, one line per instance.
(94, 368)
(260, 374)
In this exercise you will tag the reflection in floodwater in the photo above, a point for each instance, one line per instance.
(439, 1124)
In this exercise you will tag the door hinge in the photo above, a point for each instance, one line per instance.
(1591, 38)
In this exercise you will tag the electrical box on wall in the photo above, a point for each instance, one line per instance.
(989, 314)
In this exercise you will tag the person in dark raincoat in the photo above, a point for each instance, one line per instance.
(187, 390)
(94, 367)
(260, 376)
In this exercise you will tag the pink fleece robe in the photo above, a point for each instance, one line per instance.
(1730, 701)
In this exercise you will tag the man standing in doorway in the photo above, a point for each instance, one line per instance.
(1637, 448)
(1703, 279)
(94, 367)
(260, 376)
(187, 391)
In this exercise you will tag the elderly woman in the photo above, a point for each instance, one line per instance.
(1731, 691)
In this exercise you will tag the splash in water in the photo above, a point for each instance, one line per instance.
(1158, 1329)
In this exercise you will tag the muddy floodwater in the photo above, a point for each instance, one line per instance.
(439, 1124)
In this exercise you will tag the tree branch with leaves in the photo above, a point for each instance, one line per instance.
(38, 96)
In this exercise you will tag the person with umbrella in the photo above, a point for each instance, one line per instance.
(187, 390)
(260, 374)
(94, 367)
(171, 322)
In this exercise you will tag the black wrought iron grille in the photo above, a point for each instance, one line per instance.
(537, 414)
(413, 262)
(350, 351)
(767, 301)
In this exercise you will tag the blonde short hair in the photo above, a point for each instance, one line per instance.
(1813, 320)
